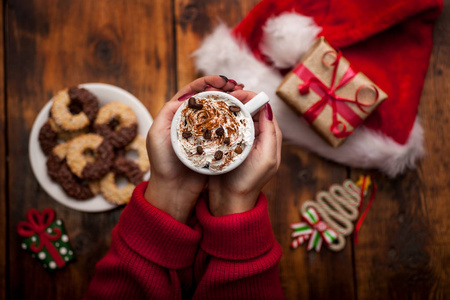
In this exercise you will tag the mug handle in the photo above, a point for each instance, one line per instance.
(256, 103)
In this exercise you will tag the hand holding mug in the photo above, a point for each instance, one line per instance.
(173, 187)
(238, 190)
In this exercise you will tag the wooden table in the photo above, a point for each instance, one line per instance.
(143, 46)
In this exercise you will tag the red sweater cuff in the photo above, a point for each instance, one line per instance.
(238, 236)
(156, 235)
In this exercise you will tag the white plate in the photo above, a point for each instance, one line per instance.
(105, 93)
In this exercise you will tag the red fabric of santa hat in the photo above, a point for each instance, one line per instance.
(389, 41)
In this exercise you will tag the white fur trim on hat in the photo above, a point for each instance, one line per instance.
(221, 53)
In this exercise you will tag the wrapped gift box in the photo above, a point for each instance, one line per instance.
(329, 94)
(46, 239)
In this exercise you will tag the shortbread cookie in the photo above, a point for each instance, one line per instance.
(116, 122)
(74, 109)
(129, 170)
(58, 171)
(139, 145)
(90, 156)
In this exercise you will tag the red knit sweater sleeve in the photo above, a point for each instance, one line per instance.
(238, 256)
(151, 256)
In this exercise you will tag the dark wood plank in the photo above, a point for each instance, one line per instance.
(3, 190)
(307, 275)
(404, 246)
(194, 20)
(392, 259)
(52, 45)
(434, 173)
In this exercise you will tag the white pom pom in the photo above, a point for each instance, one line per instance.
(287, 37)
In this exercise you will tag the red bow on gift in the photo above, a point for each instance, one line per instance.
(329, 96)
(37, 224)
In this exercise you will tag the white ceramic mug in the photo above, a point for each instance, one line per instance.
(248, 110)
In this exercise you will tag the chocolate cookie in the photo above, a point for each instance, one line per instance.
(90, 156)
(117, 123)
(139, 145)
(58, 171)
(129, 170)
(48, 137)
(74, 109)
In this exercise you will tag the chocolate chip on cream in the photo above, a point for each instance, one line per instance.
(217, 127)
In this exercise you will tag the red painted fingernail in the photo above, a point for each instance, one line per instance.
(232, 81)
(269, 113)
(186, 96)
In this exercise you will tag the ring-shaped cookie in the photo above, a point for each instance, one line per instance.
(55, 159)
(110, 190)
(116, 122)
(81, 151)
(64, 134)
(74, 109)
(50, 135)
(139, 145)
(59, 172)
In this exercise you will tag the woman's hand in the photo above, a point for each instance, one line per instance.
(238, 190)
(173, 187)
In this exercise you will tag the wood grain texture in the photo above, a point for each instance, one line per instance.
(145, 47)
(404, 248)
(52, 45)
(434, 173)
(307, 275)
(391, 259)
(194, 20)
(3, 159)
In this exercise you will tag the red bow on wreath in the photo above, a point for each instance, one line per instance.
(38, 224)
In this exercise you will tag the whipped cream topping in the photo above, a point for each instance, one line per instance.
(214, 114)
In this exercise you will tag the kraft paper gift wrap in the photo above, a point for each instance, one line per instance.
(329, 94)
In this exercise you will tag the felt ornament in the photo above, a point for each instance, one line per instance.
(389, 41)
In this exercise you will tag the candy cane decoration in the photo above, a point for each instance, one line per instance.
(336, 210)
(313, 229)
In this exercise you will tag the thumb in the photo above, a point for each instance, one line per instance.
(163, 119)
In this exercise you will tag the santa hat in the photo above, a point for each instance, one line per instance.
(389, 41)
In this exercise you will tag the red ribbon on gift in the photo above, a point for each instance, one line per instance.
(37, 224)
(338, 104)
